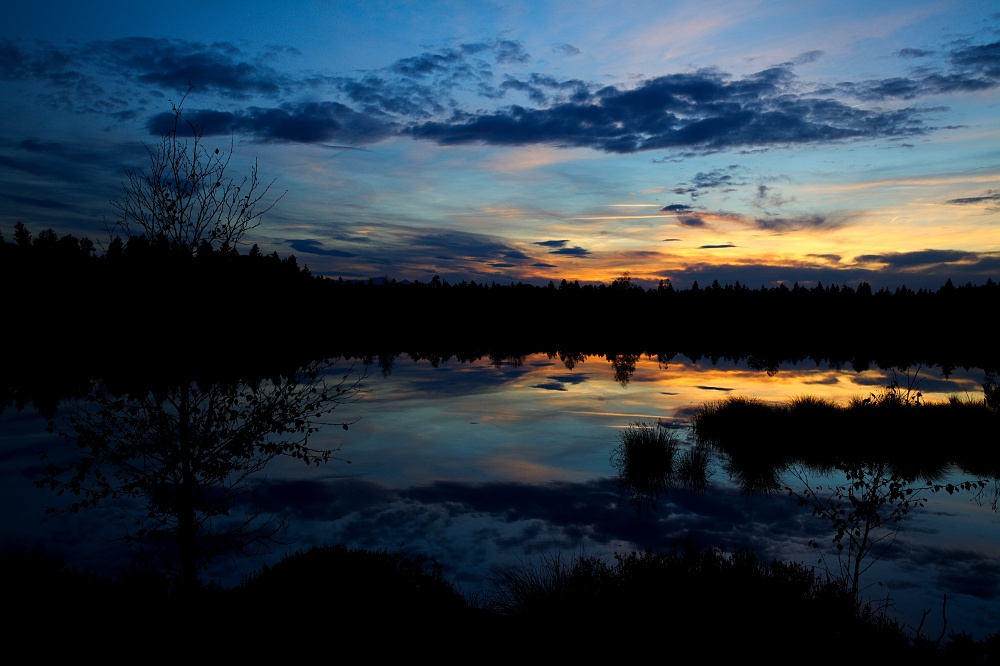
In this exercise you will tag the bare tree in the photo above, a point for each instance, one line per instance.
(182, 462)
(181, 458)
(185, 194)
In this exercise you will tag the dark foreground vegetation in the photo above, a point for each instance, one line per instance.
(711, 605)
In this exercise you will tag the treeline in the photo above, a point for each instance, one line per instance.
(141, 306)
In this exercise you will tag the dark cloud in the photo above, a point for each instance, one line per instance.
(552, 243)
(42, 61)
(715, 247)
(693, 113)
(896, 271)
(705, 111)
(51, 204)
(805, 58)
(409, 247)
(309, 122)
(676, 208)
(550, 386)
(474, 49)
(991, 196)
(559, 382)
(508, 51)
(533, 92)
(727, 179)
(983, 59)
(378, 95)
(541, 89)
(691, 221)
(315, 247)
(572, 251)
(768, 196)
(176, 64)
(670, 240)
(914, 259)
(566, 49)
(914, 53)
(426, 63)
(971, 69)
(66, 162)
(797, 223)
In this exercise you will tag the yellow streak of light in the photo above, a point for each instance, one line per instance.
(619, 217)
(529, 471)
(905, 182)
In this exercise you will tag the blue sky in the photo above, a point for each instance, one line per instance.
(763, 142)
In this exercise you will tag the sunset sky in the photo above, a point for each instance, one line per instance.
(763, 142)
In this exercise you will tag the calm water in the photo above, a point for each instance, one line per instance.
(481, 465)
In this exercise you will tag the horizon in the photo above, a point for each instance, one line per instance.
(766, 143)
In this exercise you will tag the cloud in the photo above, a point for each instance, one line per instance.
(510, 51)
(552, 243)
(307, 122)
(700, 112)
(310, 246)
(176, 64)
(915, 259)
(43, 61)
(39, 203)
(797, 223)
(991, 196)
(68, 163)
(572, 251)
(727, 179)
(691, 221)
(832, 258)
(971, 69)
(540, 89)
(768, 196)
(897, 270)
(676, 209)
(716, 247)
(427, 63)
(805, 58)
(566, 49)
(705, 111)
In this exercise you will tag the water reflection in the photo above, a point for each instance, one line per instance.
(495, 461)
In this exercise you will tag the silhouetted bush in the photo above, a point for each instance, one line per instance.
(709, 603)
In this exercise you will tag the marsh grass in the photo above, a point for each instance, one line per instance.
(714, 603)
(720, 604)
(645, 459)
(916, 437)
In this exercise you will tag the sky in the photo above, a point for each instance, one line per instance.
(761, 142)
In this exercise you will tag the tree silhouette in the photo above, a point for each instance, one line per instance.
(181, 461)
(185, 194)
(181, 451)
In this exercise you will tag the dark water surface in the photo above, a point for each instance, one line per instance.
(481, 465)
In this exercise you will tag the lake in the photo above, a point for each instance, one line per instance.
(507, 462)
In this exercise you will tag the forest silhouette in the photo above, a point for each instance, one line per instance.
(117, 314)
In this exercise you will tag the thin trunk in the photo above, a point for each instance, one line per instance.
(187, 541)
(187, 537)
